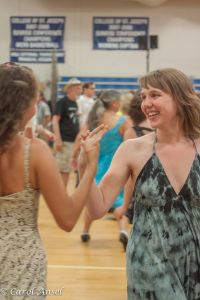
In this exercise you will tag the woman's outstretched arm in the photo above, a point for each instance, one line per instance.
(102, 196)
(65, 208)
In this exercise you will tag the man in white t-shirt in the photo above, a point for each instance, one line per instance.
(85, 102)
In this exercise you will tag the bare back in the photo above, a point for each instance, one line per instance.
(110, 119)
(12, 168)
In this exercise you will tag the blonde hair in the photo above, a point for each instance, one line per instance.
(178, 85)
(126, 99)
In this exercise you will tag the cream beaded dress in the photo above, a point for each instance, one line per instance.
(22, 256)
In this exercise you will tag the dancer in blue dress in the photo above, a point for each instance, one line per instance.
(108, 146)
(163, 252)
(104, 111)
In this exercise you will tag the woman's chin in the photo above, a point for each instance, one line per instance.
(154, 124)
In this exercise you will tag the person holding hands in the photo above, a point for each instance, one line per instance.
(163, 260)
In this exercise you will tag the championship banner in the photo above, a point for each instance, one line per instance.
(33, 39)
(119, 33)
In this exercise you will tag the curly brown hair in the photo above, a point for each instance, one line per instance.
(18, 87)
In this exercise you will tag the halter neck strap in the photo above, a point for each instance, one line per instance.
(155, 141)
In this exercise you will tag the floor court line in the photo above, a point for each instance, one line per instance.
(86, 267)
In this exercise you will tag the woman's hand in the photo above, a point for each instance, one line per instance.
(90, 147)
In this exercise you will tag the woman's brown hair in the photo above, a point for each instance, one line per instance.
(179, 86)
(18, 87)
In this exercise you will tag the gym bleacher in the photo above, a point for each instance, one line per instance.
(118, 83)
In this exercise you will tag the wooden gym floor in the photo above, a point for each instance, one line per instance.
(79, 271)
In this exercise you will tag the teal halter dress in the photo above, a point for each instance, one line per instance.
(163, 252)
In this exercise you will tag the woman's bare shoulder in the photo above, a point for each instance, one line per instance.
(39, 143)
(140, 142)
(130, 134)
(40, 151)
(138, 149)
(35, 144)
(136, 152)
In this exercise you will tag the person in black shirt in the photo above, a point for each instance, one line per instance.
(66, 126)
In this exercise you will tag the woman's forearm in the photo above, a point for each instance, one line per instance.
(81, 194)
(95, 203)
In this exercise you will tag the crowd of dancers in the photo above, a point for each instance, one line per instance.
(142, 163)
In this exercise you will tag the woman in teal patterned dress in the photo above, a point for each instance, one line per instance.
(163, 252)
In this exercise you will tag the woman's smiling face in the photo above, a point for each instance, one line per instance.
(159, 107)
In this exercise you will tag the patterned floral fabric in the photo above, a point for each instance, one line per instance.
(163, 253)
(22, 257)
